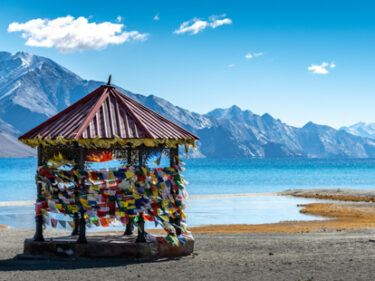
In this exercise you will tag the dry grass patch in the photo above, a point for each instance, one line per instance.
(342, 216)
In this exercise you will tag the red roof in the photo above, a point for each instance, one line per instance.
(106, 114)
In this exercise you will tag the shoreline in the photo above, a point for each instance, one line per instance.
(331, 194)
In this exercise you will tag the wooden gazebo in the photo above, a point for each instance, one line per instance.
(104, 125)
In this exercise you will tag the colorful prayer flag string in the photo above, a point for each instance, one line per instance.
(111, 196)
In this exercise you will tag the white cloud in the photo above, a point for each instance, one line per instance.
(196, 25)
(231, 65)
(119, 19)
(322, 68)
(156, 17)
(216, 21)
(68, 34)
(248, 56)
(253, 55)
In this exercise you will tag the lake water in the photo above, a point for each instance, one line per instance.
(218, 176)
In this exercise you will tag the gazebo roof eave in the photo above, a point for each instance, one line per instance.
(110, 142)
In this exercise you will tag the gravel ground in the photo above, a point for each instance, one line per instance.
(310, 256)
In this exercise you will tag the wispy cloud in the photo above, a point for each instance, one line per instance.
(119, 19)
(69, 34)
(231, 65)
(156, 17)
(323, 68)
(253, 55)
(196, 25)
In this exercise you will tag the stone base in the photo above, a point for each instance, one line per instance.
(105, 246)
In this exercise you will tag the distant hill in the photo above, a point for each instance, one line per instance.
(34, 88)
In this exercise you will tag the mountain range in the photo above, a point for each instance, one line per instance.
(34, 88)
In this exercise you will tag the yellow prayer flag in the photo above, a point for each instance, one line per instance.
(94, 188)
(84, 203)
(144, 170)
(129, 174)
(183, 215)
(124, 203)
(164, 203)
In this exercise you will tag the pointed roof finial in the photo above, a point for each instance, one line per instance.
(109, 80)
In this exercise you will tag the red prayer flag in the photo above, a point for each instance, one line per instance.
(104, 222)
(53, 223)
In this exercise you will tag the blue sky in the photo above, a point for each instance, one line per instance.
(209, 69)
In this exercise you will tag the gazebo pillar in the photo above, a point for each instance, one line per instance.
(82, 230)
(129, 228)
(76, 224)
(39, 218)
(80, 223)
(141, 222)
(173, 153)
(129, 225)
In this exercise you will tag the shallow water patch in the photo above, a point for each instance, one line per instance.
(201, 211)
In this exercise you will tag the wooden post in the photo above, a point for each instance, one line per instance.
(129, 156)
(39, 219)
(173, 153)
(129, 225)
(76, 224)
(82, 230)
(80, 223)
(81, 158)
(141, 222)
(141, 229)
(140, 158)
(171, 157)
(129, 228)
(178, 223)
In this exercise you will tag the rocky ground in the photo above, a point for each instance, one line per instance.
(343, 255)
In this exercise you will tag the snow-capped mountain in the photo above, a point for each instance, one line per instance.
(10, 147)
(361, 129)
(265, 136)
(34, 88)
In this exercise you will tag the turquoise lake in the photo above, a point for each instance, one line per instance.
(218, 176)
(225, 176)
